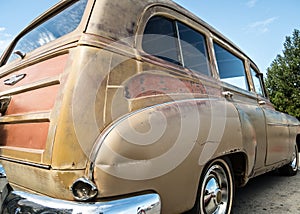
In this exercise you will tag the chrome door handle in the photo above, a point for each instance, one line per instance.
(227, 94)
(261, 102)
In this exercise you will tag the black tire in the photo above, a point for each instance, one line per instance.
(216, 189)
(291, 168)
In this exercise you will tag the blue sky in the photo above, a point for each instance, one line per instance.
(258, 27)
(16, 15)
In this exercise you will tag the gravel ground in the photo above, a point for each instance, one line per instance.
(269, 193)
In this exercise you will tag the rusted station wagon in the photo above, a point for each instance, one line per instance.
(133, 106)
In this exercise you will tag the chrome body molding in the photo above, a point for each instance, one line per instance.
(2, 172)
(4, 187)
(22, 202)
(42, 166)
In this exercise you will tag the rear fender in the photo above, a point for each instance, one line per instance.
(152, 148)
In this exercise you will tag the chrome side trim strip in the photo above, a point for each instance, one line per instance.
(278, 124)
(25, 162)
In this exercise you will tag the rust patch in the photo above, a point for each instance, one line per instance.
(155, 84)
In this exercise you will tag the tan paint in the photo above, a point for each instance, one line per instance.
(85, 94)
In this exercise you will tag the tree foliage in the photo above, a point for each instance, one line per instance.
(283, 77)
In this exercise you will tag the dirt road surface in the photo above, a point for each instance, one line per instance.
(270, 193)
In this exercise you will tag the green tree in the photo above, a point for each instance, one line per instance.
(283, 77)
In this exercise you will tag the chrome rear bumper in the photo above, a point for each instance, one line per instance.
(23, 202)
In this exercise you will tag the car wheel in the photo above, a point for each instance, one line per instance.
(291, 168)
(216, 189)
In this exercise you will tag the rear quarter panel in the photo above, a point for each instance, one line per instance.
(164, 127)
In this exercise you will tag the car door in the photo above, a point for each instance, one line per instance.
(232, 66)
(276, 123)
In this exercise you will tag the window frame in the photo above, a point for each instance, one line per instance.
(206, 47)
(238, 55)
(177, 53)
(211, 36)
(261, 82)
(177, 17)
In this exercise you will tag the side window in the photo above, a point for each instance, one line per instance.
(177, 43)
(193, 49)
(160, 39)
(257, 81)
(231, 68)
(54, 28)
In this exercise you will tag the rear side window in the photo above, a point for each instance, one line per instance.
(193, 49)
(177, 43)
(231, 68)
(160, 39)
(54, 28)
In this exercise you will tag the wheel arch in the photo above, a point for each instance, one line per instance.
(238, 163)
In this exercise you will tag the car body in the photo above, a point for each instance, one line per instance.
(133, 106)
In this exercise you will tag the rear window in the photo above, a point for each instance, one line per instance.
(54, 28)
(177, 43)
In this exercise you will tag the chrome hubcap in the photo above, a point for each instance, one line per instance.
(215, 192)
